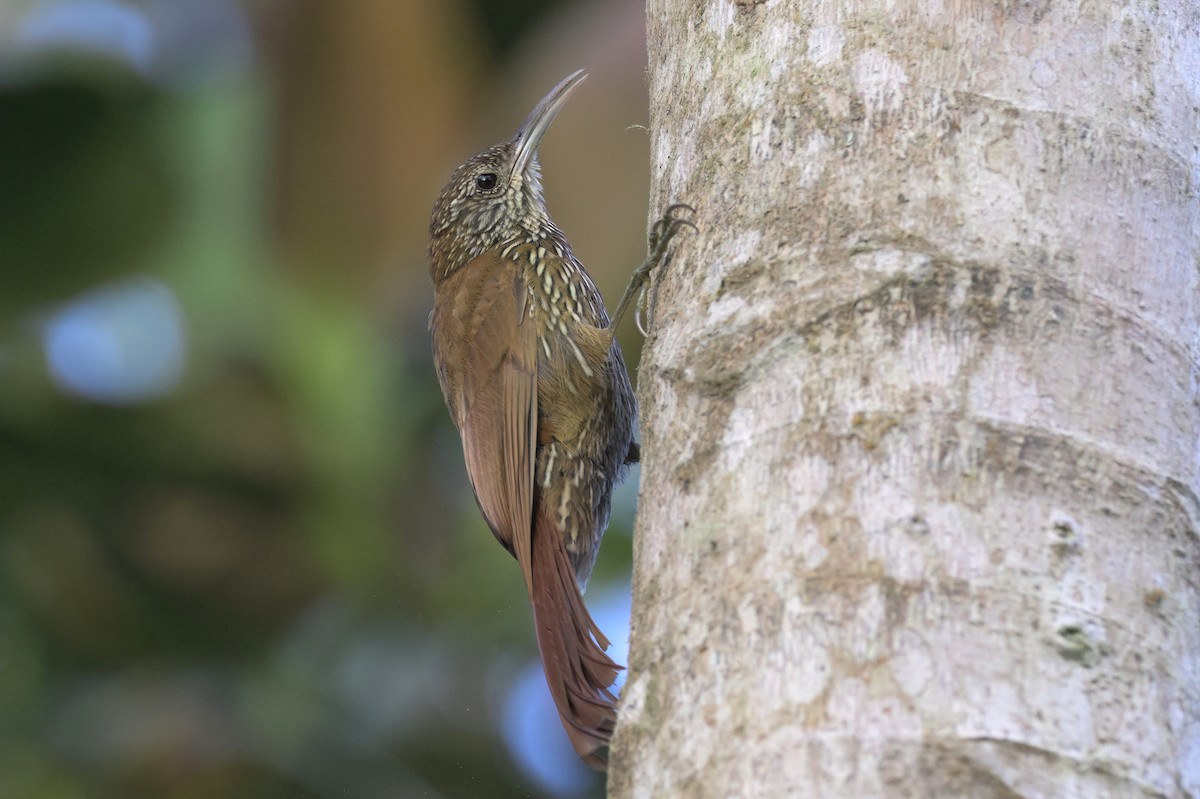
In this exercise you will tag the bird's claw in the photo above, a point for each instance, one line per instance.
(661, 233)
(639, 313)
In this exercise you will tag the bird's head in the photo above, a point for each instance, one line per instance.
(496, 195)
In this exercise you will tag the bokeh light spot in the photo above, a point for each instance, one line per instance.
(121, 344)
(118, 30)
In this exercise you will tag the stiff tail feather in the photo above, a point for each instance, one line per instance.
(578, 671)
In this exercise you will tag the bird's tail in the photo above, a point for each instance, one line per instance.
(578, 671)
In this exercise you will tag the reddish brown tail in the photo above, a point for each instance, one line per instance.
(578, 671)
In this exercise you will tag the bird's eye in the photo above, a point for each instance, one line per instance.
(486, 181)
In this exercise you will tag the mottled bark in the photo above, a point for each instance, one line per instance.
(919, 500)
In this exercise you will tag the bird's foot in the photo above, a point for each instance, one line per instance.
(661, 234)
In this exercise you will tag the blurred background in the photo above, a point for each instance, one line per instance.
(239, 556)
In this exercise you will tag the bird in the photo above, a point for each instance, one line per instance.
(535, 382)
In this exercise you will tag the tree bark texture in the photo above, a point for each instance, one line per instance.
(919, 409)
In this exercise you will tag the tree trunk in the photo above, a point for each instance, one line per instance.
(919, 411)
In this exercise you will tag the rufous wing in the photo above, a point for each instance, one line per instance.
(481, 326)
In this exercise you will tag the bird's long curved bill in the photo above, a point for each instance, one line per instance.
(529, 135)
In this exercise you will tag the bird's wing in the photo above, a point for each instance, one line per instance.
(486, 345)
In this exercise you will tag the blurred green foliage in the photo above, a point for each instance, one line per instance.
(80, 125)
(272, 581)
